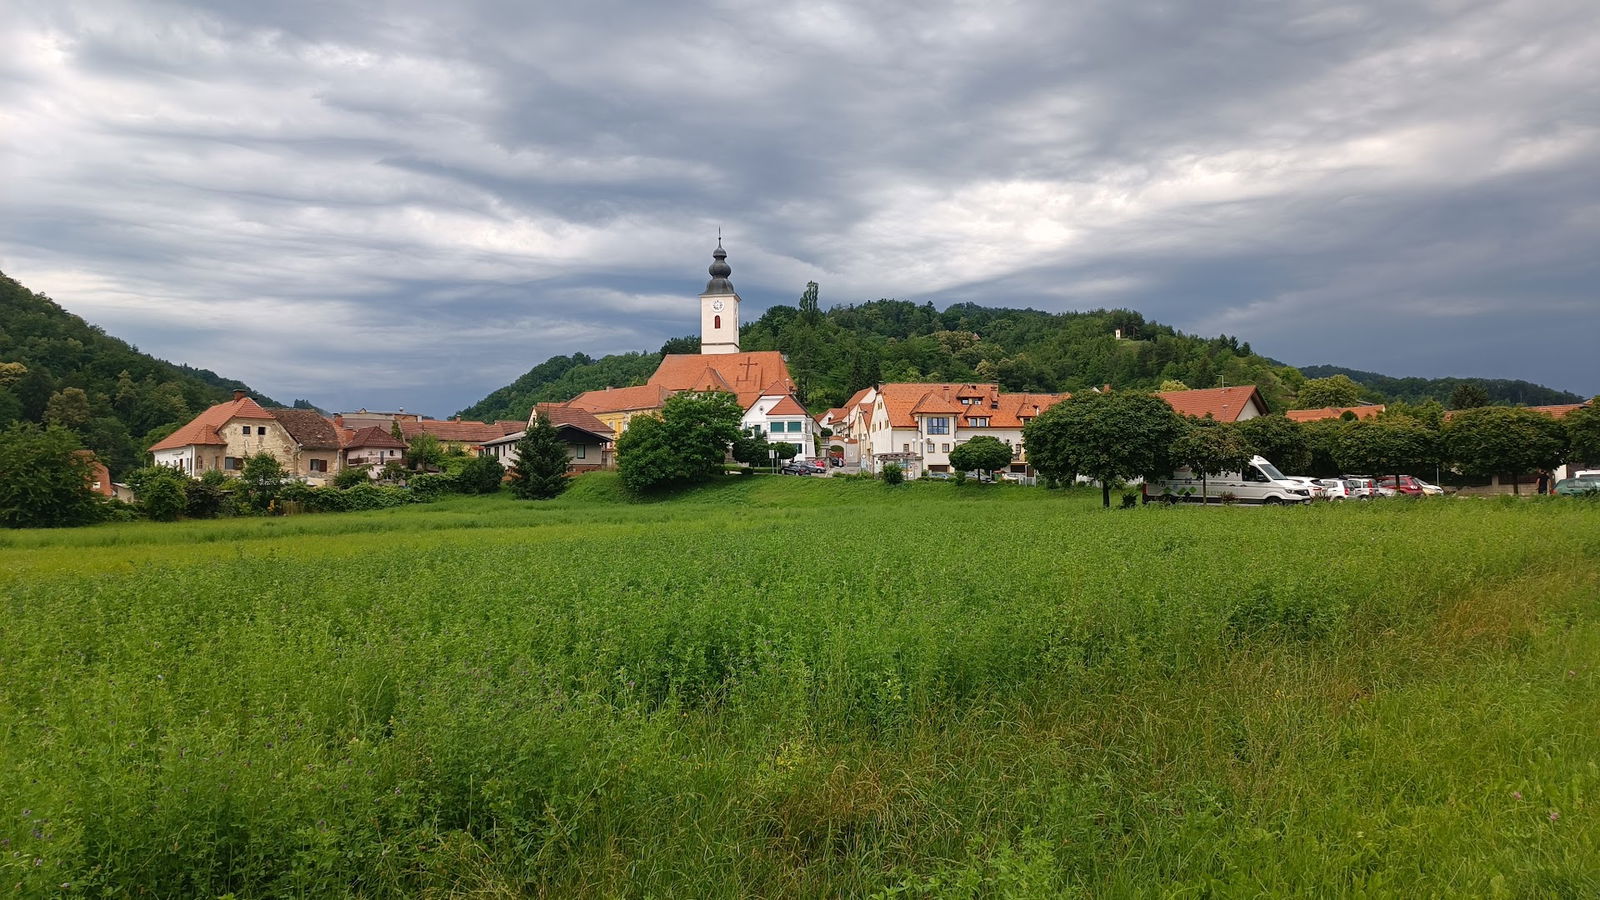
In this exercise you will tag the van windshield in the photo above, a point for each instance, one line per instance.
(1270, 470)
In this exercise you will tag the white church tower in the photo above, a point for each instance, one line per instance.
(719, 308)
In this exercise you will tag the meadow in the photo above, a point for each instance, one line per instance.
(807, 687)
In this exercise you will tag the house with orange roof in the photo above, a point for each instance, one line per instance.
(1225, 404)
(225, 435)
(759, 379)
(589, 441)
(917, 425)
(471, 435)
(1369, 411)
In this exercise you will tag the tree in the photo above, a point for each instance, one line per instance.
(1213, 450)
(984, 453)
(424, 452)
(680, 345)
(1280, 439)
(263, 477)
(1335, 390)
(44, 482)
(480, 475)
(1583, 433)
(685, 444)
(351, 476)
(1172, 384)
(68, 408)
(394, 430)
(1109, 437)
(1495, 440)
(752, 449)
(539, 463)
(1387, 447)
(892, 474)
(1469, 395)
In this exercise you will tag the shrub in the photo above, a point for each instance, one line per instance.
(893, 474)
(352, 476)
(162, 494)
(429, 487)
(480, 475)
(44, 483)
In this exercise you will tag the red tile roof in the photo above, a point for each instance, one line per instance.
(1334, 412)
(372, 437)
(1223, 404)
(203, 429)
(454, 431)
(645, 396)
(905, 401)
(309, 428)
(1560, 409)
(575, 417)
(747, 375)
(788, 406)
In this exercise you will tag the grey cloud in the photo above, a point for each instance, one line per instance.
(436, 199)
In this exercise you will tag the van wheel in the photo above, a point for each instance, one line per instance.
(1273, 501)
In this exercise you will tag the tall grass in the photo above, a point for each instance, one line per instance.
(808, 688)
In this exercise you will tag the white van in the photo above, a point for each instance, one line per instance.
(1260, 482)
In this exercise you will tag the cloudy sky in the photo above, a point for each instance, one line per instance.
(412, 207)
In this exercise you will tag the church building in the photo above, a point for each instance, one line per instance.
(759, 379)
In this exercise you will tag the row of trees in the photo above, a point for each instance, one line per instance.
(1118, 436)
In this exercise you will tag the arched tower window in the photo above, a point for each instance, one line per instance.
(716, 321)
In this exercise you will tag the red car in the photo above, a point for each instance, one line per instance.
(1403, 484)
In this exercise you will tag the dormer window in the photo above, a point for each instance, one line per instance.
(979, 421)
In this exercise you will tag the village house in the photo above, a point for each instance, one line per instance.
(588, 440)
(916, 426)
(1224, 404)
(372, 445)
(225, 435)
(758, 379)
(470, 435)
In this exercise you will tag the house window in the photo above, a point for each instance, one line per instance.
(794, 426)
(261, 429)
(979, 422)
(716, 321)
(230, 463)
(944, 448)
(939, 425)
(905, 448)
(247, 431)
(319, 465)
(929, 446)
(580, 451)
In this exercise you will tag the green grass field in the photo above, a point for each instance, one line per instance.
(798, 687)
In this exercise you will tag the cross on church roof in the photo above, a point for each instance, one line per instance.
(748, 365)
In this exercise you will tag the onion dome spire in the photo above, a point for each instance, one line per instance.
(719, 270)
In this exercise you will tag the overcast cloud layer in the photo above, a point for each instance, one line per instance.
(412, 207)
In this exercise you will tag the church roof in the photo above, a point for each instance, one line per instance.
(746, 374)
(719, 271)
(644, 396)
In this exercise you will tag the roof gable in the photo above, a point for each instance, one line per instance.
(308, 428)
(1224, 404)
(203, 429)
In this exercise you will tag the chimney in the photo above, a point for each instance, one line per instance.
(238, 394)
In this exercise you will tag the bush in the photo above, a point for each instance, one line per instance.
(202, 500)
(352, 476)
(480, 475)
(44, 482)
(162, 496)
(429, 487)
(893, 474)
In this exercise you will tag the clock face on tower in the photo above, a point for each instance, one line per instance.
(716, 305)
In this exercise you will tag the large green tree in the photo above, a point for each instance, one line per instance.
(1504, 440)
(263, 477)
(984, 453)
(686, 443)
(44, 481)
(1583, 433)
(1280, 439)
(424, 452)
(1335, 390)
(1386, 447)
(1469, 395)
(539, 466)
(1212, 450)
(1110, 437)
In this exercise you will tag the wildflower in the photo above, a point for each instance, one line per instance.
(1516, 795)
(1554, 815)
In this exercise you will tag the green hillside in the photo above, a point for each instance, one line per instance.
(1500, 391)
(835, 352)
(55, 366)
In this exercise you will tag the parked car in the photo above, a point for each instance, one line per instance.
(1402, 484)
(818, 466)
(1432, 490)
(1578, 487)
(939, 476)
(1260, 482)
(797, 468)
(836, 461)
(1318, 492)
(1360, 487)
(1334, 487)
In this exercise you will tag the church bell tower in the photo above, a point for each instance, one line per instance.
(719, 308)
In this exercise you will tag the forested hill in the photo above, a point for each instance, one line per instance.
(1500, 391)
(833, 353)
(55, 366)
